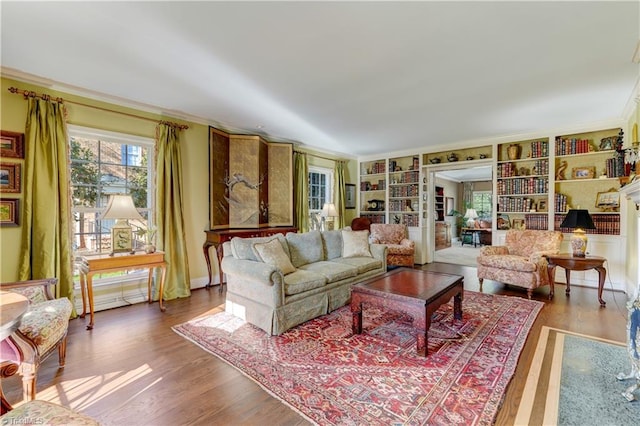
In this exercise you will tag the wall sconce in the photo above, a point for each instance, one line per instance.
(121, 208)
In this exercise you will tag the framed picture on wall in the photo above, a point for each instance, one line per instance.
(9, 212)
(10, 177)
(350, 196)
(11, 144)
(448, 206)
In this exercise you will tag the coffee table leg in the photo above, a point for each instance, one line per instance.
(423, 339)
(457, 306)
(356, 311)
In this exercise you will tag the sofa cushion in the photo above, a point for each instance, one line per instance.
(301, 281)
(364, 264)
(355, 244)
(242, 248)
(332, 271)
(305, 248)
(508, 261)
(332, 244)
(272, 253)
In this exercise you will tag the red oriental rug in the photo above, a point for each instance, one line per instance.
(333, 377)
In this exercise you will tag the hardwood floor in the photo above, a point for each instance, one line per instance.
(133, 369)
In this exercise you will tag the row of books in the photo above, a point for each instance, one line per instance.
(615, 167)
(569, 146)
(507, 204)
(374, 218)
(606, 224)
(402, 206)
(407, 219)
(539, 149)
(368, 186)
(375, 168)
(536, 221)
(523, 186)
(406, 177)
(404, 191)
(540, 167)
(560, 203)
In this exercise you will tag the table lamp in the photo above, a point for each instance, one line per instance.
(578, 220)
(121, 208)
(328, 210)
(471, 215)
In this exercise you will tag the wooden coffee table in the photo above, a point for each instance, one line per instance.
(412, 291)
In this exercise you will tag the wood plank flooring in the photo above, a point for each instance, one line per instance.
(133, 369)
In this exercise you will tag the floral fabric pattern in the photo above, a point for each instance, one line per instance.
(46, 323)
(400, 249)
(521, 260)
(45, 413)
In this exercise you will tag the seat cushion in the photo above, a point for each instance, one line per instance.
(301, 281)
(45, 413)
(364, 264)
(508, 261)
(332, 271)
(45, 323)
(398, 249)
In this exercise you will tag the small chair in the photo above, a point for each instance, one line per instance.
(521, 260)
(361, 224)
(400, 249)
(43, 328)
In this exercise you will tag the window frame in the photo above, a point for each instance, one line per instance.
(329, 186)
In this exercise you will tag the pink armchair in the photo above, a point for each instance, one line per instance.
(521, 260)
(400, 249)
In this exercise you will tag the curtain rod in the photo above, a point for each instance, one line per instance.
(320, 156)
(32, 94)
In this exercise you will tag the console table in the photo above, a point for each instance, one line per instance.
(217, 237)
(90, 265)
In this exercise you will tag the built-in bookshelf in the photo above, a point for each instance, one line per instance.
(373, 188)
(522, 182)
(588, 160)
(404, 190)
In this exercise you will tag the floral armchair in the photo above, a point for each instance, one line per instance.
(521, 260)
(400, 249)
(43, 328)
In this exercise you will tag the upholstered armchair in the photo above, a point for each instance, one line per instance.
(42, 330)
(521, 260)
(361, 224)
(400, 249)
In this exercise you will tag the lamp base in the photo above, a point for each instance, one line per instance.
(579, 243)
(121, 238)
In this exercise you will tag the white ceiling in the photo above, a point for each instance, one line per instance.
(359, 78)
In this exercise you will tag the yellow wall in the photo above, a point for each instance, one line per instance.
(195, 154)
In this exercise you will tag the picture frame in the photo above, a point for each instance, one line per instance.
(542, 206)
(448, 203)
(11, 144)
(349, 196)
(9, 212)
(10, 178)
(583, 173)
(608, 201)
(503, 222)
(606, 144)
(518, 224)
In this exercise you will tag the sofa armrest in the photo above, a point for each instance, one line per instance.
(379, 251)
(250, 270)
(538, 256)
(408, 243)
(493, 250)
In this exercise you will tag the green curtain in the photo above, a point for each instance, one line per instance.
(169, 215)
(46, 233)
(340, 193)
(301, 191)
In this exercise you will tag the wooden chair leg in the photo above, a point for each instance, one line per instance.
(62, 352)
(28, 372)
(529, 293)
(480, 280)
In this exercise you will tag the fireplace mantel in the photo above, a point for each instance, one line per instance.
(632, 191)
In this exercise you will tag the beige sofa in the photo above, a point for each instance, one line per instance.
(278, 282)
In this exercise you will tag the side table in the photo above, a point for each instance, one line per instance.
(570, 263)
(91, 265)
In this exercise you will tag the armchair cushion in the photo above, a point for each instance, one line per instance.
(45, 324)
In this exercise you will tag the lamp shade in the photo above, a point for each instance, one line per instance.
(471, 214)
(329, 210)
(578, 218)
(121, 206)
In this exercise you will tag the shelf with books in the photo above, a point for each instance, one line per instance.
(404, 190)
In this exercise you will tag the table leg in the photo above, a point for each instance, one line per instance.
(602, 273)
(567, 274)
(220, 254)
(551, 270)
(82, 291)
(423, 338)
(457, 306)
(163, 273)
(90, 295)
(356, 320)
(205, 249)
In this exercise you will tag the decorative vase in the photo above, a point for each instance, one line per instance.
(149, 248)
(513, 152)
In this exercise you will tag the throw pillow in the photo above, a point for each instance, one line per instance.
(305, 248)
(355, 244)
(273, 254)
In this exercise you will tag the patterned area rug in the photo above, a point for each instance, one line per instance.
(333, 377)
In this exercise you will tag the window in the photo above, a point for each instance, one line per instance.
(482, 203)
(320, 184)
(104, 163)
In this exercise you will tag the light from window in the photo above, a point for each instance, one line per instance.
(319, 188)
(482, 203)
(103, 163)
